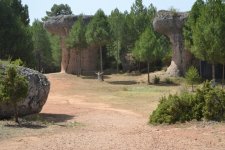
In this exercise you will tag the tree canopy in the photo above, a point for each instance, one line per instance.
(98, 32)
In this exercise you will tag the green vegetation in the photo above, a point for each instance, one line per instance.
(98, 32)
(41, 47)
(207, 103)
(156, 80)
(56, 10)
(192, 76)
(204, 32)
(146, 48)
(13, 88)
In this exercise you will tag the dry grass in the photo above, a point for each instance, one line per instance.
(120, 91)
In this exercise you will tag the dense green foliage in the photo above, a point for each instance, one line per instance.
(204, 32)
(98, 32)
(192, 76)
(42, 50)
(146, 48)
(117, 24)
(13, 89)
(15, 36)
(207, 103)
(56, 10)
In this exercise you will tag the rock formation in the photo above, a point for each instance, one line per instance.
(61, 25)
(171, 24)
(39, 87)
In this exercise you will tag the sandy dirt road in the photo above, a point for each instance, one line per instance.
(102, 127)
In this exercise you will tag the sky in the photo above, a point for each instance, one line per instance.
(38, 8)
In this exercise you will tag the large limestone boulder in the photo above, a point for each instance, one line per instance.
(39, 87)
(61, 25)
(171, 24)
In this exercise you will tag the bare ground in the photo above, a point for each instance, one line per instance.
(104, 120)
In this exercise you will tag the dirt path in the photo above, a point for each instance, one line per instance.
(105, 128)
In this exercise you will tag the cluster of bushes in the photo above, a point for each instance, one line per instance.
(13, 85)
(207, 103)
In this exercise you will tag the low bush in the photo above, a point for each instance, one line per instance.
(207, 103)
(172, 109)
(156, 80)
(168, 81)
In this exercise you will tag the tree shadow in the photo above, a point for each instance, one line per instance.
(39, 121)
(94, 77)
(55, 118)
(166, 84)
(29, 125)
(122, 82)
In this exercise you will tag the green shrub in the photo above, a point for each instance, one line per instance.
(156, 80)
(172, 109)
(13, 88)
(192, 76)
(168, 81)
(207, 103)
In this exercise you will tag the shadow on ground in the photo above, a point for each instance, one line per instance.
(56, 118)
(39, 121)
(29, 125)
(94, 77)
(122, 82)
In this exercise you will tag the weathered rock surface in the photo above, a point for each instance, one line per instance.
(61, 25)
(39, 87)
(171, 24)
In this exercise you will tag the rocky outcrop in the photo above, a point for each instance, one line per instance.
(171, 24)
(61, 25)
(39, 87)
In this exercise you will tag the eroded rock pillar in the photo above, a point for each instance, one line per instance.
(171, 24)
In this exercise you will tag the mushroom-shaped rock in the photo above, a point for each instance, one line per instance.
(171, 24)
(38, 91)
(61, 25)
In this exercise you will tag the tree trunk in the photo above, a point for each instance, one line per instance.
(80, 71)
(223, 76)
(139, 66)
(101, 66)
(16, 115)
(192, 87)
(148, 73)
(213, 72)
(117, 59)
(200, 67)
(77, 63)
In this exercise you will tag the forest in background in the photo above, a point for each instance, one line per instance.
(40, 50)
(117, 34)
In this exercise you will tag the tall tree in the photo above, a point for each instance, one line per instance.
(117, 28)
(55, 50)
(208, 32)
(98, 32)
(137, 21)
(190, 24)
(77, 40)
(15, 36)
(19, 10)
(148, 48)
(42, 48)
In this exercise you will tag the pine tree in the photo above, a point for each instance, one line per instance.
(98, 32)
